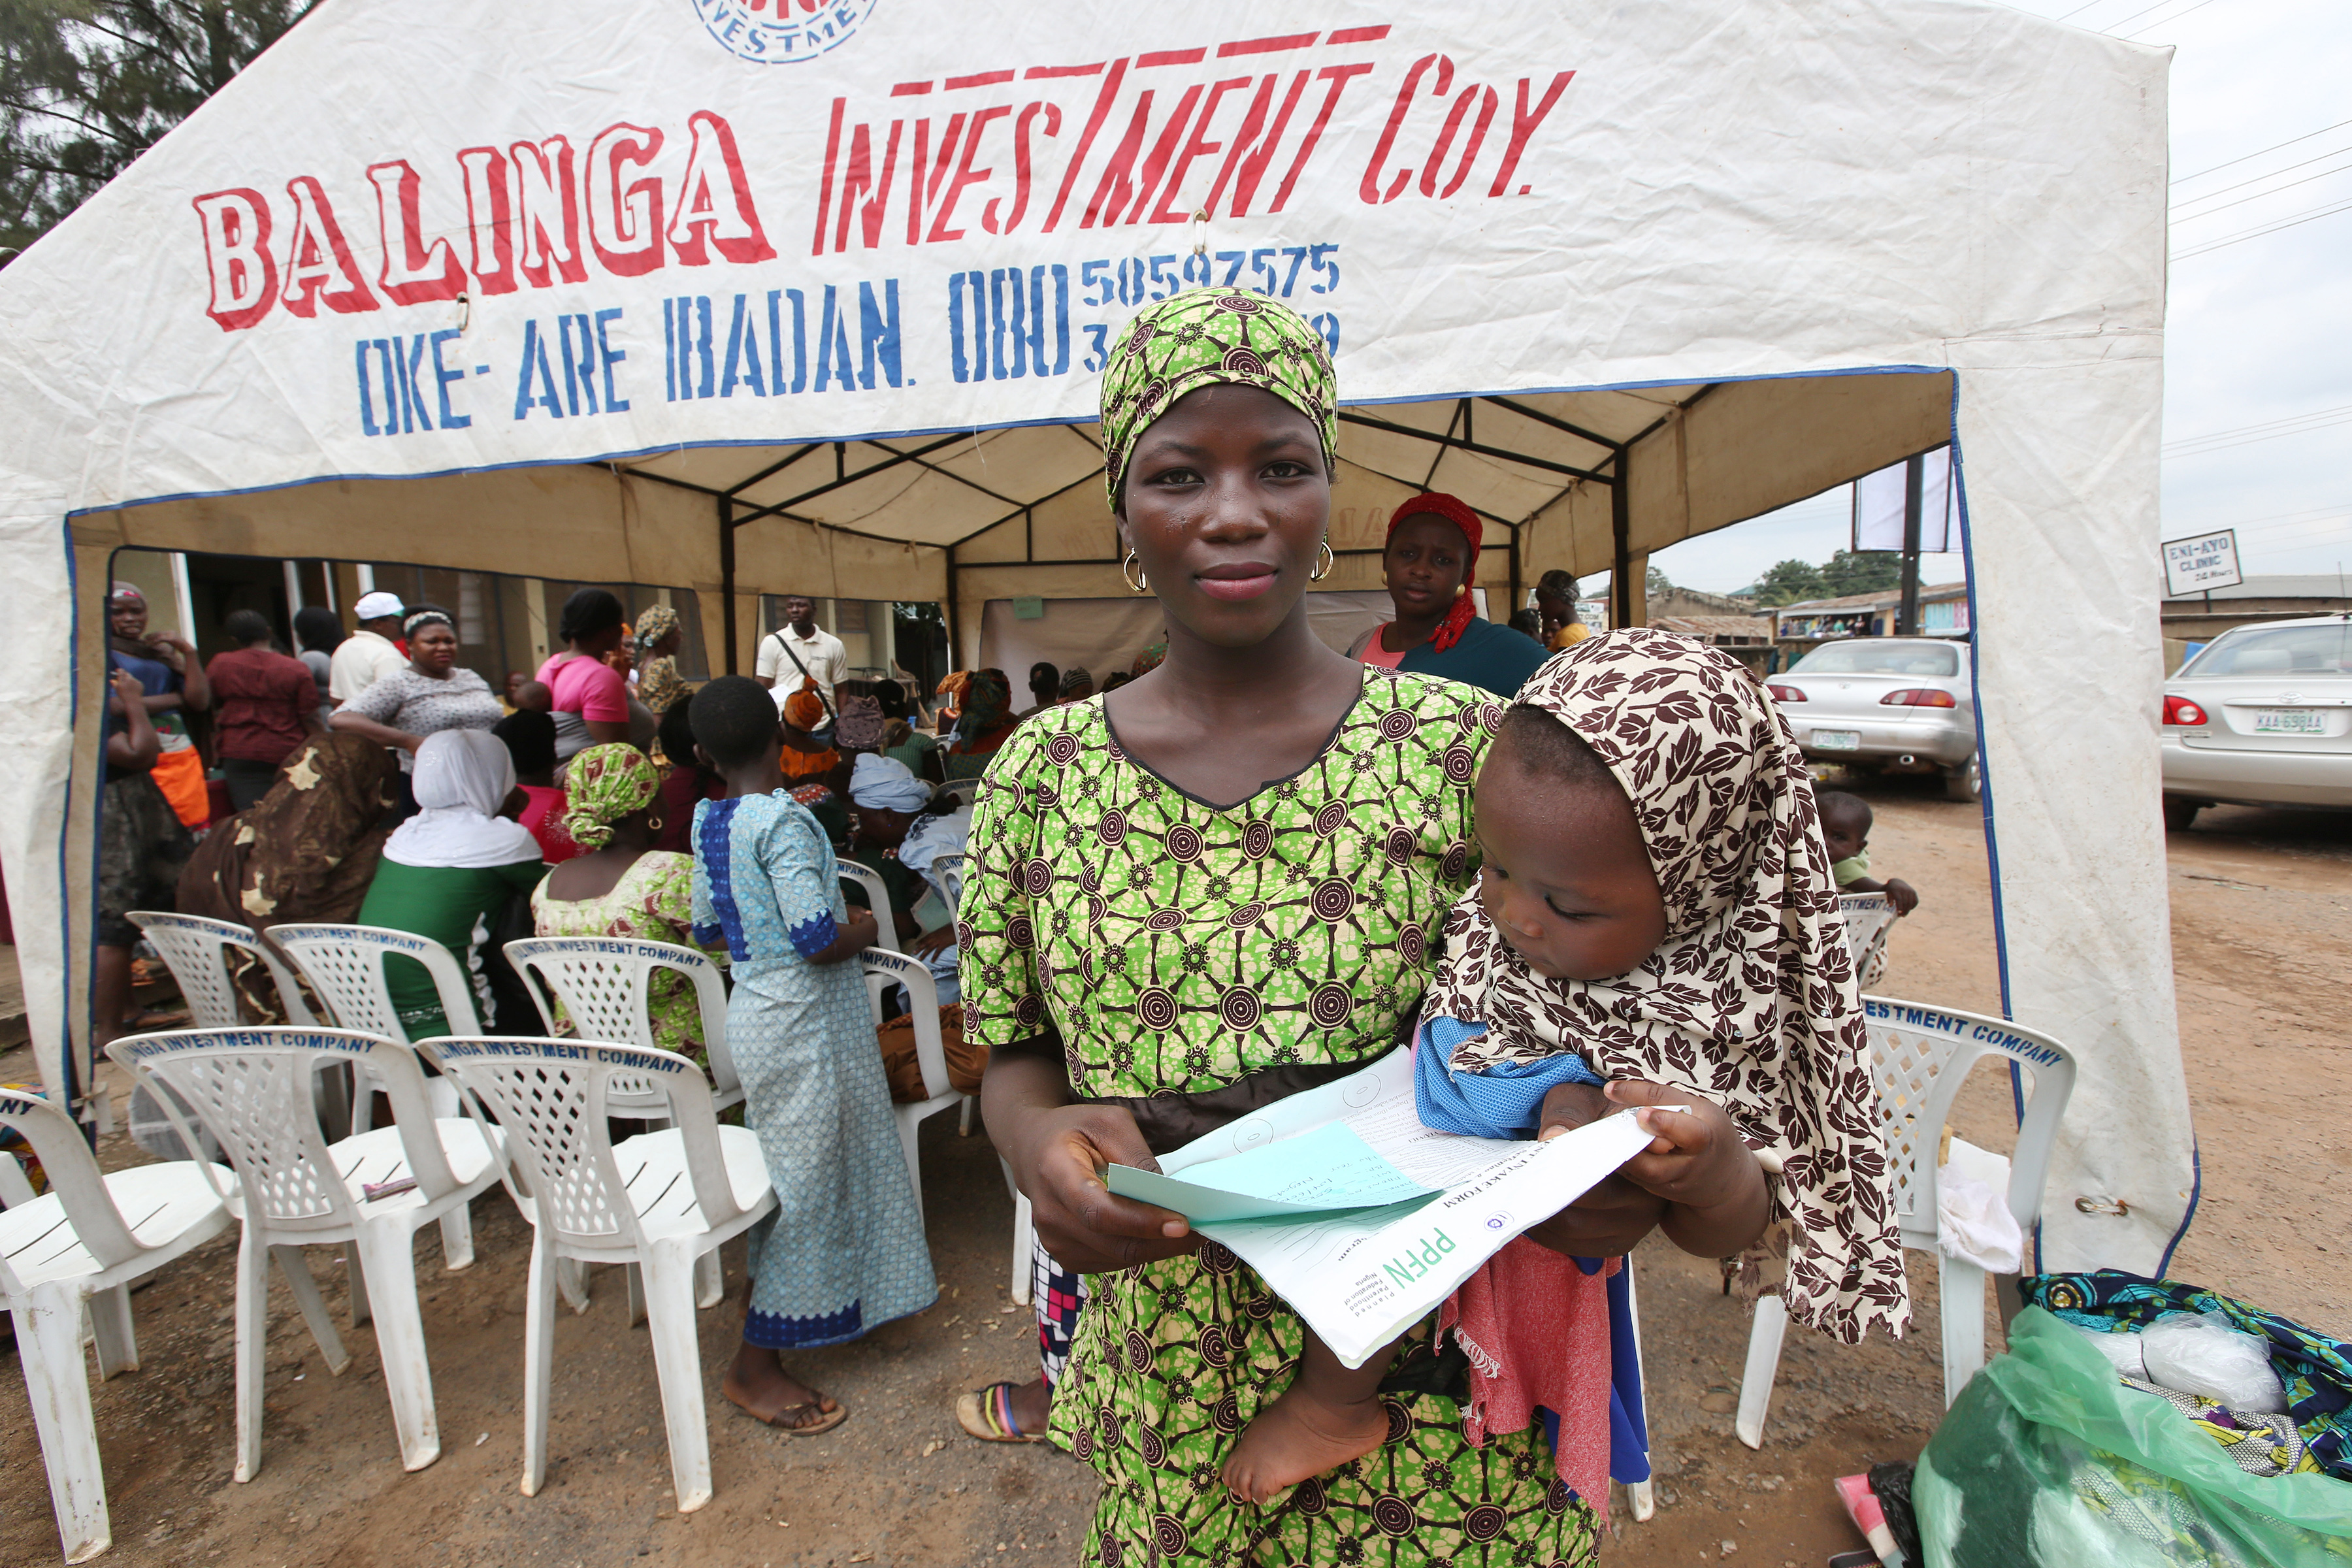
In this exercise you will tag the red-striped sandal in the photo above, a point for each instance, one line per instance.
(987, 1414)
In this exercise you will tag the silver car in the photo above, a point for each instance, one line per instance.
(2261, 716)
(1900, 704)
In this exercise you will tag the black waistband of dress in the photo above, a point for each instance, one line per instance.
(1170, 1120)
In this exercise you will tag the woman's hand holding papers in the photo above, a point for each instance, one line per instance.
(1058, 1151)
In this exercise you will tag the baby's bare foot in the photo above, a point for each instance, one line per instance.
(1299, 1436)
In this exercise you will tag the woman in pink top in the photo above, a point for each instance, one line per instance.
(591, 699)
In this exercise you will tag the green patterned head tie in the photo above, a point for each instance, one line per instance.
(1212, 337)
(605, 784)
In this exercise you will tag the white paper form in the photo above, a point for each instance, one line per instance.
(1363, 1276)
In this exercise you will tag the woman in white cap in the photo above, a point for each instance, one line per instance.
(369, 653)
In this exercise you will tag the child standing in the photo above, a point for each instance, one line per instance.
(844, 1252)
(1655, 913)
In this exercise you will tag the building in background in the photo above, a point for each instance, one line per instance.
(1800, 627)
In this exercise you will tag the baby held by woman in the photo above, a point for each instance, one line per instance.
(1655, 925)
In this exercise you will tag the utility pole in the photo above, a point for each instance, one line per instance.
(1906, 618)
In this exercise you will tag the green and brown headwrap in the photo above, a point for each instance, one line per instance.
(655, 623)
(1210, 337)
(605, 784)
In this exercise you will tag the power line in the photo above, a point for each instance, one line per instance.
(2258, 179)
(2258, 196)
(2259, 230)
(2164, 22)
(2294, 424)
(2273, 148)
(2321, 512)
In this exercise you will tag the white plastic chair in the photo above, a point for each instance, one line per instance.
(1919, 1058)
(77, 1248)
(195, 948)
(1869, 918)
(884, 970)
(878, 896)
(604, 983)
(344, 966)
(655, 1203)
(253, 1089)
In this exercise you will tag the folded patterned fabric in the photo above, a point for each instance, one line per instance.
(2260, 1444)
(2315, 1369)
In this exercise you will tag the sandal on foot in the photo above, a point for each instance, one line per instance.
(987, 1414)
(827, 1420)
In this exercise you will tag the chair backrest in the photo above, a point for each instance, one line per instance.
(1919, 1058)
(947, 873)
(1869, 917)
(195, 947)
(603, 983)
(955, 793)
(74, 1177)
(877, 896)
(886, 970)
(551, 1098)
(344, 965)
(253, 1091)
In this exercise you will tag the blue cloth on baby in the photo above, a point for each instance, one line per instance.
(1503, 1101)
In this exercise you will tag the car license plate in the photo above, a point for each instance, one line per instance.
(2288, 721)
(1837, 739)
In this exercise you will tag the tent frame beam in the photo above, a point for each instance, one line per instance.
(1447, 438)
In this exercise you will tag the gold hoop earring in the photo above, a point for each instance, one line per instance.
(1139, 581)
(1323, 568)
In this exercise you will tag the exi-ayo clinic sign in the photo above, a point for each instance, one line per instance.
(2206, 562)
(986, 225)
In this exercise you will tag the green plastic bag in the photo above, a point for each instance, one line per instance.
(2047, 1460)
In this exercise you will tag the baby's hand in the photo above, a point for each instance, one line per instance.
(1695, 1157)
(1905, 897)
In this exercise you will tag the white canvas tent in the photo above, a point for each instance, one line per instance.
(705, 293)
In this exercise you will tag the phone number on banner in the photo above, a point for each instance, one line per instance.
(1012, 322)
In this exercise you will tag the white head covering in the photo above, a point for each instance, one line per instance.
(462, 778)
(886, 783)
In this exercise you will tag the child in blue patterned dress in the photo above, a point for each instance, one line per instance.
(844, 1251)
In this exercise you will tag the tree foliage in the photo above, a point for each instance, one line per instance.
(1787, 582)
(86, 86)
(1869, 572)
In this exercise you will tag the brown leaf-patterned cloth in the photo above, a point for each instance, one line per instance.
(1751, 1000)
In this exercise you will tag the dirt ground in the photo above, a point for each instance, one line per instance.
(2262, 906)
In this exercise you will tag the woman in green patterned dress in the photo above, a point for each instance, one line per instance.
(1206, 891)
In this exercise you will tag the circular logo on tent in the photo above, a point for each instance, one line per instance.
(779, 32)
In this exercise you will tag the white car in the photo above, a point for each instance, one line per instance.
(1892, 703)
(2261, 716)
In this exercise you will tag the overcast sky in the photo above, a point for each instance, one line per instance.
(2258, 356)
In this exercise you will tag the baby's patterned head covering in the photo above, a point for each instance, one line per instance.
(1210, 337)
(605, 784)
(1750, 999)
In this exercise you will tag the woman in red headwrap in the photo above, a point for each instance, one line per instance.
(1430, 563)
